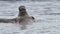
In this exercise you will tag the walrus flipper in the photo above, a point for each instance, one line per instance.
(8, 20)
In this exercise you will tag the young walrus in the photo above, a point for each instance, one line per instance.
(24, 17)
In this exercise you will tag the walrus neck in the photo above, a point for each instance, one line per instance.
(22, 13)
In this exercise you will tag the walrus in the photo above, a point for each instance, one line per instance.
(24, 17)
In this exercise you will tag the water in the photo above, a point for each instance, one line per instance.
(47, 16)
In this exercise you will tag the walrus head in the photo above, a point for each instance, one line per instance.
(22, 11)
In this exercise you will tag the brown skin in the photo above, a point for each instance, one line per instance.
(24, 17)
(23, 12)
